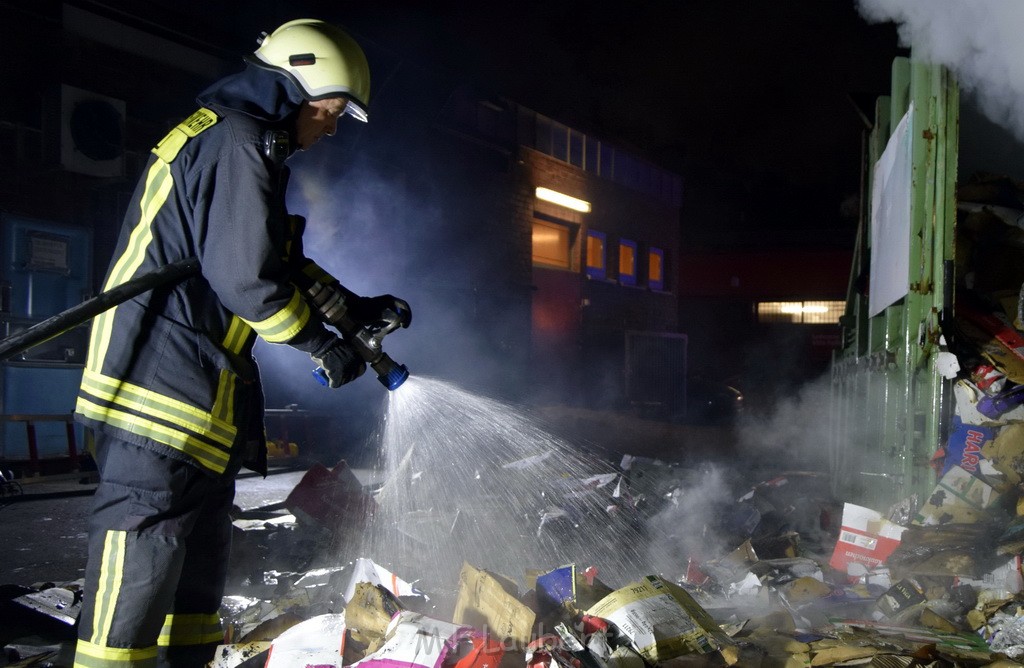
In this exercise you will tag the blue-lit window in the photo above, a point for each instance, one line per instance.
(596, 254)
(656, 269)
(593, 152)
(576, 148)
(627, 262)
(543, 134)
(560, 141)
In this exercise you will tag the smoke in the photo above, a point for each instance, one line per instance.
(383, 220)
(824, 427)
(687, 526)
(979, 41)
(795, 433)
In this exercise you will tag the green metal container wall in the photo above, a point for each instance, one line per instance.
(890, 406)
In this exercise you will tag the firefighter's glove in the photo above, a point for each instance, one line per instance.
(383, 312)
(340, 362)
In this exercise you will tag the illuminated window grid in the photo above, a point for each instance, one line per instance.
(802, 313)
(627, 262)
(596, 262)
(656, 269)
(550, 244)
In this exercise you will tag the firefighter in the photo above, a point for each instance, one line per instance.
(170, 389)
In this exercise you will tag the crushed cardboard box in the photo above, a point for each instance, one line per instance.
(866, 538)
(960, 497)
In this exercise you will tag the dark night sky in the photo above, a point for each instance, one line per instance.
(761, 85)
(752, 101)
(755, 84)
(757, 92)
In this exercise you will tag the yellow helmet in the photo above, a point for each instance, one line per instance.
(321, 59)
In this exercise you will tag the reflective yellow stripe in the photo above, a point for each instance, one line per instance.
(191, 629)
(206, 454)
(235, 341)
(90, 655)
(158, 185)
(237, 336)
(284, 324)
(224, 406)
(109, 586)
(148, 402)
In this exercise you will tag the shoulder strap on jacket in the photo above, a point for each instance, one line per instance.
(169, 147)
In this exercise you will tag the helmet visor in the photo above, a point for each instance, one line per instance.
(356, 111)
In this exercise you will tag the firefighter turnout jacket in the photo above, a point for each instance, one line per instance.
(172, 370)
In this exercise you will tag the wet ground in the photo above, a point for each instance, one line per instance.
(45, 541)
(44, 528)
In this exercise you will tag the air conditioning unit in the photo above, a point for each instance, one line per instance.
(91, 132)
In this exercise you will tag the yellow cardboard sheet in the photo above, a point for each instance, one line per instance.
(484, 603)
(661, 620)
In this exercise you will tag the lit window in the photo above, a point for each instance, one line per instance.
(627, 262)
(550, 244)
(656, 269)
(595, 254)
(806, 313)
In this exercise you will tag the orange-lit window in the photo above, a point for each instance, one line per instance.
(627, 262)
(550, 244)
(656, 269)
(596, 254)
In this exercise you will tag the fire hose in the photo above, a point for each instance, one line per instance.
(367, 342)
(57, 324)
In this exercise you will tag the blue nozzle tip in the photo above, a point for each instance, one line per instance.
(321, 376)
(394, 377)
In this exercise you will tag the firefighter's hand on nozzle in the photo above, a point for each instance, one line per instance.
(379, 312)
(338, 363)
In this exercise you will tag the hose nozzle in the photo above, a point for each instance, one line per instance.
(390, 373)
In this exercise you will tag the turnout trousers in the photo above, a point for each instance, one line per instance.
(159, 538)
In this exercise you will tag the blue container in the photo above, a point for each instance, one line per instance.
(37, 390)
(45, 269)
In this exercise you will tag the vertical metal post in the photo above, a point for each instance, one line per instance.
(33, 449)
(69, 428)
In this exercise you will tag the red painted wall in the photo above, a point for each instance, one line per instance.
(766, 274)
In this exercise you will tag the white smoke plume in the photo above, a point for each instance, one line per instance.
(979, 41)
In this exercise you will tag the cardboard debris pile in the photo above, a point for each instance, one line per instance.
(799, 580)
(785, 576)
